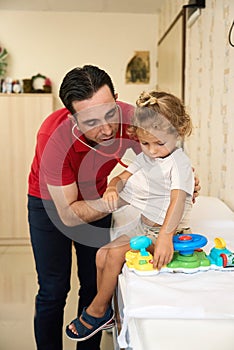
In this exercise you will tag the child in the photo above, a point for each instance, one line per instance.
(160, 184)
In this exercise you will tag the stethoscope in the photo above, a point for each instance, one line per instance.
(75, 126)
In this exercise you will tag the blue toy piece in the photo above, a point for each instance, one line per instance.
(141, 243)
(186, 244)
(220, 255)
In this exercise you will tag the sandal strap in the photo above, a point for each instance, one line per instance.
(81, 329)
(95, 321)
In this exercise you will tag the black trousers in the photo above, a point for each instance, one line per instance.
(52, 243)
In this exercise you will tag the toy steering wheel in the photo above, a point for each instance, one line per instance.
(186, 244)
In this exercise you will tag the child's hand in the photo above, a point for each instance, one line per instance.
(163, 250)
(111, 197)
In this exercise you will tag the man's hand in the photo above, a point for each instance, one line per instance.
(197, 187)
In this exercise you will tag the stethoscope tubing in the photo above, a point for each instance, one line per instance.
(75, 126)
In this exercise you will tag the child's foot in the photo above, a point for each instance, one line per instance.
(86, 326)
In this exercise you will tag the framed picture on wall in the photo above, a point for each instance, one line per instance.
(138, 68)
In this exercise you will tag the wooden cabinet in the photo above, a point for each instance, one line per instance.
(20, 117)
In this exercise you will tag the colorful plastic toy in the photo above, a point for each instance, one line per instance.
(220, 255)
(139, 259)
(188, 255)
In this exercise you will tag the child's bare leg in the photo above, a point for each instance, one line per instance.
(100, 264)
(109, 261)
(107, 283)
(103, 252)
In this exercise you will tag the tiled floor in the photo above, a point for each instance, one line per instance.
(18, 288)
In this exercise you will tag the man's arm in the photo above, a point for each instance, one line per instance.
(73, 212)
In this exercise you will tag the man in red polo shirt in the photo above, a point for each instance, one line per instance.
(77, 147)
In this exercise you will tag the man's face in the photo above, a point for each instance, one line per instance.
(98, 117)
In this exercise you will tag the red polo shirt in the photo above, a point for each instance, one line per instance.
(60, 159)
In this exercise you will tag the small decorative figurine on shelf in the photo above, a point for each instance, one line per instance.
(7, 85)
(188, 255)
(40, 84)
(17, 86)
(27, 86)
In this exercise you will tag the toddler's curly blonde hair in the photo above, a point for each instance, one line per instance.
(163, 111)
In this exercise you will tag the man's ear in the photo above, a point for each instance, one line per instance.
(72, 119)
(116, 96)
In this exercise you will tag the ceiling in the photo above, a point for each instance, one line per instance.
(104, 6)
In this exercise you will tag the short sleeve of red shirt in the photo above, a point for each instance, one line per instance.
(55, 166)
(51, 161)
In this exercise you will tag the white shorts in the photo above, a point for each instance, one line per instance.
(138, 228)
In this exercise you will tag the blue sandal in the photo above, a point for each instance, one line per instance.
(98, 324)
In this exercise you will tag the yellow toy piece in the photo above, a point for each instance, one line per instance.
(134, 260)
(220, 243)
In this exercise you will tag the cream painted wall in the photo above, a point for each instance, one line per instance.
(52, 43)
(209, 91)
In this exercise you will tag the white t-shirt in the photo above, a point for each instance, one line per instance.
(148, 189)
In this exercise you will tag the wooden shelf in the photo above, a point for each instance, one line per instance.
(26, 94)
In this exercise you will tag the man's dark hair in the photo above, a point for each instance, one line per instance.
(81, 83)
